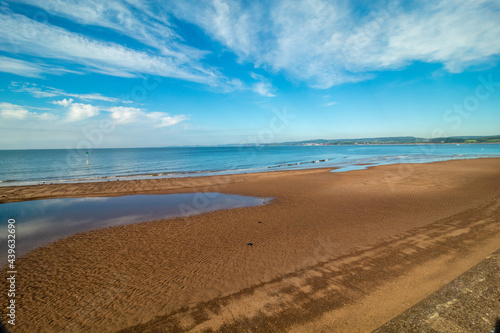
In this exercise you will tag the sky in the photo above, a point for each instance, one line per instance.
(132, 73)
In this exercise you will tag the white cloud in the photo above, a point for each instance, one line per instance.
(65, 102)
(78, 111)
(321, 42)
(12, 111)
(127, 115)
(42, 91)
(329, 42)
(17, 112)
(47, 116)
(124, 115)
(165, 120)
(27, 36)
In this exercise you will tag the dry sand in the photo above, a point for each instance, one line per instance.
(470, 303)
(335, 252)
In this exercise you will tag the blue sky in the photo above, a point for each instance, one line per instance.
(135, 74)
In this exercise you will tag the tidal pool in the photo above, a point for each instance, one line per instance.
(40, 222)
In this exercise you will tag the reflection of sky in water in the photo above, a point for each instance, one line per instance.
(43, 221)
(356, 163)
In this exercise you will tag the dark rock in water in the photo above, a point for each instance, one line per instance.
(250, 244)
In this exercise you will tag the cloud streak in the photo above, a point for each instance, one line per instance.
(142, 21)
(43, 91)
(330, 104)
(29, 69)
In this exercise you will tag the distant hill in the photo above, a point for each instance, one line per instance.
(394, 140)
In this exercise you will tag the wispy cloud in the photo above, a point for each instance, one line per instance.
(143, 21)
(29, 69)
(19, 67)
(30, 37)
(43, 91)
(329, 42)
(263, 86)
(34, 90)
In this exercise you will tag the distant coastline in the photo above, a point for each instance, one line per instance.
(380, 144)
(402, 140)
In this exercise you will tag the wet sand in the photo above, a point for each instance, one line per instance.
(341, 252)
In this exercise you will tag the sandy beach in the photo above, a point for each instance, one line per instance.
(333, 252)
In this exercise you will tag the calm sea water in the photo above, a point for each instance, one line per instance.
(19, 167)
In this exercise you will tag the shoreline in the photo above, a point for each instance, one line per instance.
(8, 192)
(326, 244)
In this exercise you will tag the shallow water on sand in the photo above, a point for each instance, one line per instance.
(40, 222)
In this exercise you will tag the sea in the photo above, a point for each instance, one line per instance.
(30, 167)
